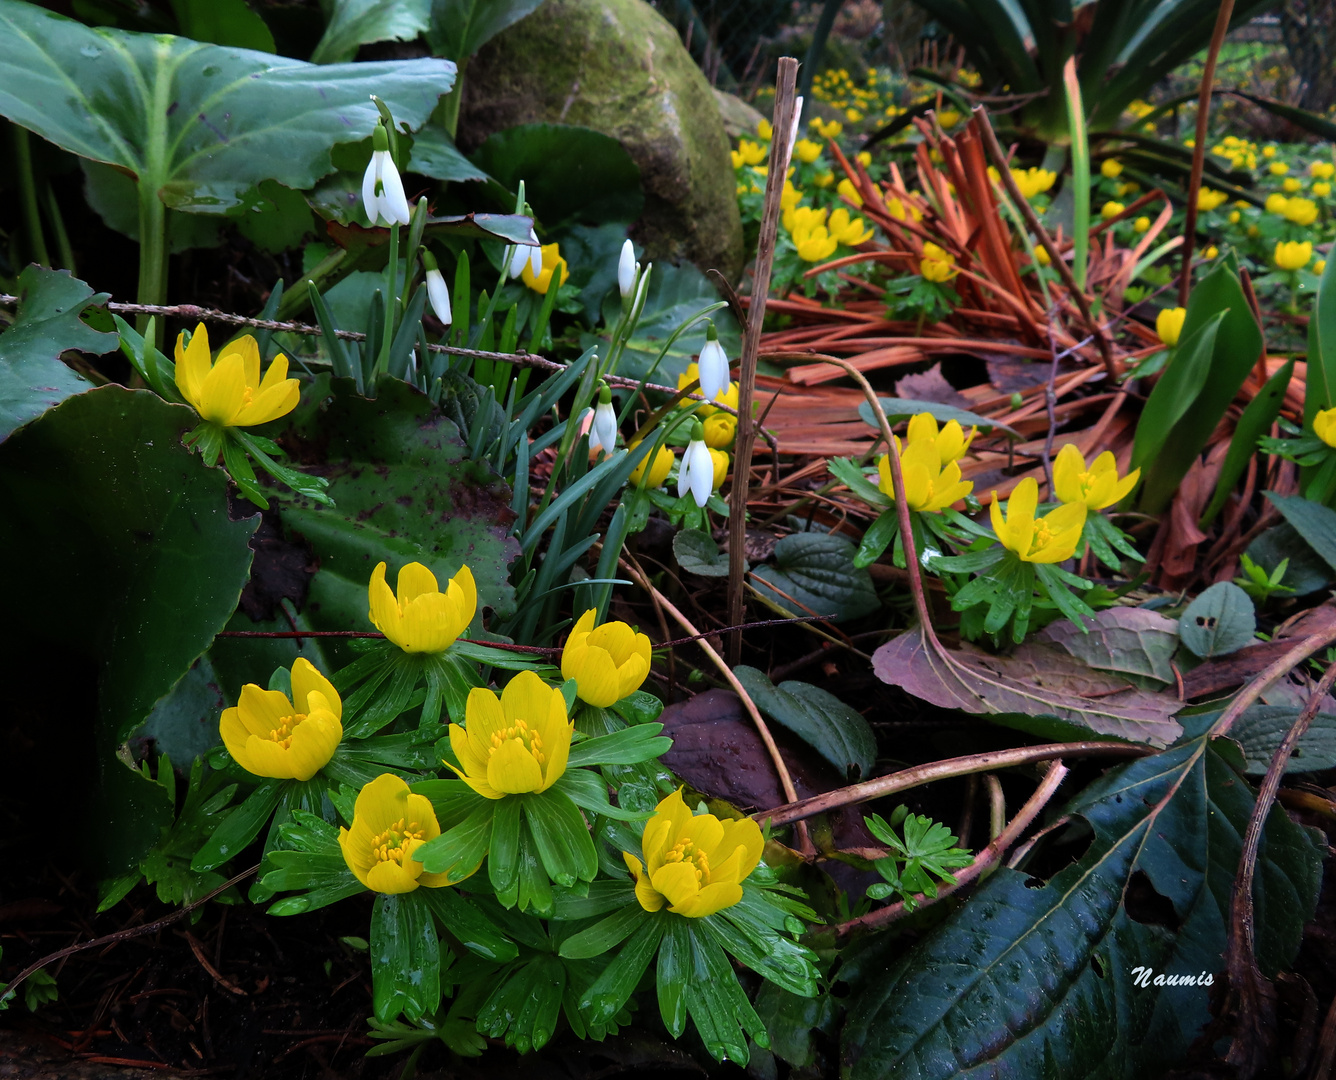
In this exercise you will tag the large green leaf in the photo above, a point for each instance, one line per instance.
(353, 23)
(32, 377)
(198, 124)
(1320, 387)
(1034, 978)
(404, 491)
(223, 22)
(815, 574)
(459, 28)
(1314, 522)
(571, 174)
(836, 731)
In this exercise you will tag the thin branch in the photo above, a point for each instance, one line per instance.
(1270, 675)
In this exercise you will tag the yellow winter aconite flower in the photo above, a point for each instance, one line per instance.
(807, 151)
(1110, 168)
(750, 153)
(1111, 209)
(1293, 255)
(1319, 267)
(1322, 170)
(1291, 184)
(853, 115)
(1276, 203)
(516, 743)
(1041, 255)
(848, 230)
(824, 180)
(1211, 252)
(1169, 324)
(764, 129)
(1049, 539)
(1141, 224)
(827, 129)
(422, 619)
(814, 243)
(720, 430)
(1324, 426)
(607, 662)
(948, 118)
(1033, 181)
(936, 264)
(1277, 168)
(1268, 151)
(898, 210)
(694, 866)
(1234, 217)
(553, 263)
(1321, 189)
(728, 396)
(1301, 211)
(389, 824)
(930, 485)
(864, 158)
(719, 460)
(230, 392)
(1097, 486)
(268, 735)
(951, 441)
(846, 189)
(794, 218)
(658, 471)
(1208, 199)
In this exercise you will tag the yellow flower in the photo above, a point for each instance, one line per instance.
(1268, 151)
(1111, 209)
(764, 129)
(827, 129)
(1292, 184)
(1234, 217)
(658, 472)
(720, 430)
(736, 159)
(728, 396)
(848, 230)
(790, 196)
(1301, 211)
(1293, 255)
(1111, 168)
(1141, 224)
(1049, 539)
(853, 115)
(268, 735)
(389, 824)
(929, 485)
(1322, 170)
(230, 392)
(846, 189)
(803, 217)
(1041, 255)
(824, 180)
(1129, 188)
(1277, 168)
(1033, 181)
(422, 619)
(898, 209)
(1319, 267)
(1276, 203)
(1208, 199)
(552, 263)
(694, 866)
(607, 662)
(751, 153)
(936, 264)
(951, 441)
(1321, 189)
(516, 743)
(814, 243)
(807, 151)
(1097, 487)
(1211, 252)
(948, 118)
(864, 158)
(1169, 324)
(1324, 426)
(720, 461)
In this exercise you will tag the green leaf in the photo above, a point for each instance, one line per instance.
(319, 879)
(405, 958)
(561, 836)
(525, 1007)
(1219, 622)
(223, 22)
(1320, 385)
(196, 124)
(897, 409)
(1176, 389)
(817, 573)
(720, 1010)
(571, 174)
(607, 934)
(629, 746)
(697, 553)
(1002, 984)
(589, 791)
(459, 28)
(792, 1022)
(836, 731)
(1255, 422)
(674, 971)
(47, 323)
(878, 537)
(240, 827)
(461, 849)
(1262, 728)
(853, 477)
(611, 990)
(353, 23)
(404, 491)
(602, 896)
(503, 854)
(1315, 523)
(434, 154)
(1305, 572)
(463, 921)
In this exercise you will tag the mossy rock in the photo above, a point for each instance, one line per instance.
(618, 67)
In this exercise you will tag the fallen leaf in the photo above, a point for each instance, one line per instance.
(1136, 643)
(931, 385)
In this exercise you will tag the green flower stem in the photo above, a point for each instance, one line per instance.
(152, 212)
(450, 103)
(391, 301)
(28, 195)
(58, 225)
(299, 296)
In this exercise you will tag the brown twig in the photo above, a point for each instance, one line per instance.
(881, 786)
(1270, 675)
(751, 343)
(123, 935)
(785, 780)
(1199, 147)
(985, 861)
(1252, 996)
(1041, 234)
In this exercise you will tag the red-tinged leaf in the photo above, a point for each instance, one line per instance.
(1136, 644)
(1035, 680)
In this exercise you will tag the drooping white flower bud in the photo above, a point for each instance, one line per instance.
(603, 431)
(626, 270)
(713, 366)
(437, 293)
(794, 127)
(382, 191)
(696, 473)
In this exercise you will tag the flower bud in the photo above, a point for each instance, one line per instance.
(696, 474)
(626, 270)
(713, 366)
(437, 292)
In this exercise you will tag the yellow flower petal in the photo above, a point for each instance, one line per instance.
(305, 680)
(513, 770)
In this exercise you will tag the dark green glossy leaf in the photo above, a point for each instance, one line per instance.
(525, 1007)
(1219, 622)
(697, 553)
(561, 836)
(628, 746)
(503, 854)
(818, 574)
(1255, 422)
(1262, 728)
(353, 23)
(1320, 386)
(434, 154)
(462, 920)
(836, 731)
(459, 28)
(405, 957)
(671, 978)
(589, 791)
(1176, 389)
(1315, 523)
(611, 990)
(600, 897)
(459, 850)
(32, 377)
(607, 934)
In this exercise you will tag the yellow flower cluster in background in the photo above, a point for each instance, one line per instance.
(937, 264)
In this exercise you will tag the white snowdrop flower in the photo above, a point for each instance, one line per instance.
(382, 191)
(603, 431)
(438, 294)
(627, 269)
(696, 474)
(713, 366)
